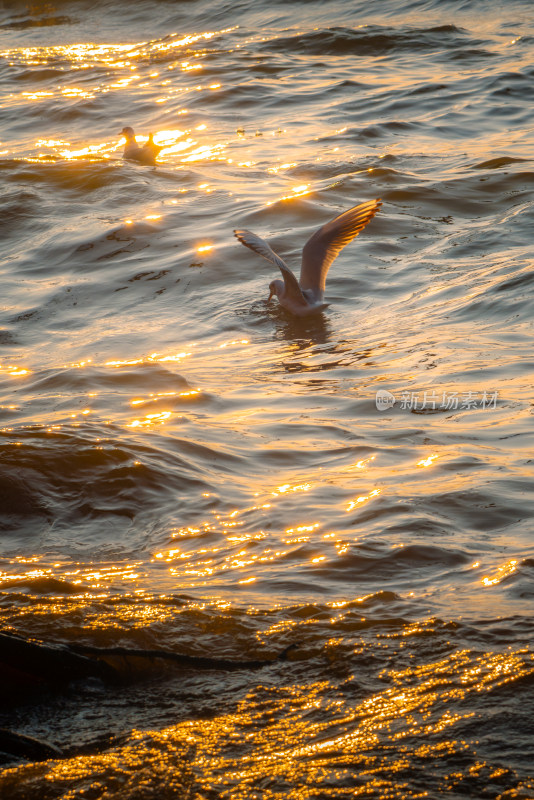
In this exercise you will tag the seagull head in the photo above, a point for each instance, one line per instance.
(128, 133)
(276, 288)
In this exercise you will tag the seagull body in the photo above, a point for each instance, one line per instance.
(146, 154)
(306, 296)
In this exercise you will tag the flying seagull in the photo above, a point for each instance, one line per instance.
(305, 296)
(146, 154)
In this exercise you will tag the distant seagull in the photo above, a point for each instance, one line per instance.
(305, 296)
(146, 154)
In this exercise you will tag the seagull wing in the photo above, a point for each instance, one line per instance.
(253, 242)
(151, 146)
(324, 246)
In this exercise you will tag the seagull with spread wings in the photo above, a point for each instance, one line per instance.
(306, 296)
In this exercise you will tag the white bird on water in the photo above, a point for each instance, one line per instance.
(305, 296)
(146, 154)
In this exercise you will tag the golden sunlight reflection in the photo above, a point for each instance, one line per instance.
(274, 170)
(197, 566)
(502, 572)
(36, 95)
(362, 499)
(155, 397)
(301, 528)
(102, 150)
(205, 152)
(78, 364)
(50, 143)
(198, 561)
(174, 357)
(124, 363)
(157, 418)
(166, 138)
(177, 357)
(233, 342)
(119, 56)
(160, 405)
(308, 734)
(364, 462)
(297, 191)
(427, 462)
(13, 371)
(85, 577)
(287, 487)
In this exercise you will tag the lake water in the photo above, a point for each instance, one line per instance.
(186, 467)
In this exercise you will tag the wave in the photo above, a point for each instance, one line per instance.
(374, 40)
(72, 478)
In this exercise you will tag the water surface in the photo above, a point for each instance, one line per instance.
(186, 467)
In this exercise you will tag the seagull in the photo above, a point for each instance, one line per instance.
(305, 296)
(146, 154)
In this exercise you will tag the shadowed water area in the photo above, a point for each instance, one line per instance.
(186, 468)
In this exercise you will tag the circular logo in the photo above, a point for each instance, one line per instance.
(384, 400)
